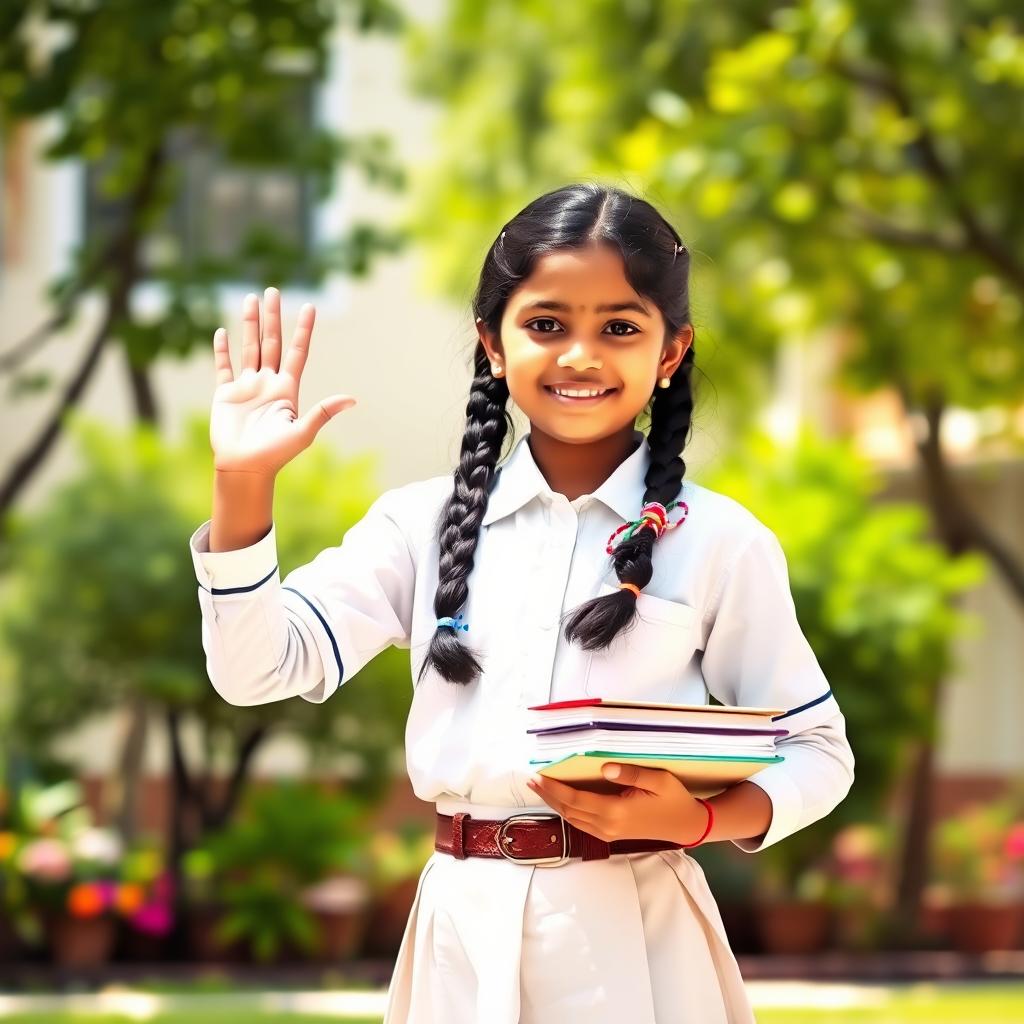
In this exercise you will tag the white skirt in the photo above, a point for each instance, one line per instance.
(637, 937)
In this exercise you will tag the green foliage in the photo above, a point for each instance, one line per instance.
(288, 837)
(828, 164)
(100, 602)
(128, 85)
(875, 599)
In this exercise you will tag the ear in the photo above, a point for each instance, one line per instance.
(674, 351)
(490, 342)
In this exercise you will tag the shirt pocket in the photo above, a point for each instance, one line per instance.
(648, 660)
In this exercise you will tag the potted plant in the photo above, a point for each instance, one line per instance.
(979, 862)
(145, 901)
(791, 912)
(857, 883)
(397, 857)
(270, 867)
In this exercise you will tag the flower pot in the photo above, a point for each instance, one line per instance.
(980, 926)
(855, 926)
(201, 927)
(934, 924)
(341, 906)
(793, 926)
(81, 941)
(389, 914)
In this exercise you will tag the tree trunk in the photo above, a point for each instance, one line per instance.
(125, 257)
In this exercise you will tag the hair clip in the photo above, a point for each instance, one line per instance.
(454, 623)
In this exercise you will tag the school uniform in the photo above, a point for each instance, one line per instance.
(635, 936)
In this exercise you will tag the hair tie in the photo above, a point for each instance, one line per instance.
(630, 586)
(653, 516)
(454, 623)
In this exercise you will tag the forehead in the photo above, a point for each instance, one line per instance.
(580, 278)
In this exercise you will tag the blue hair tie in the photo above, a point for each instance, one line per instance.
(454, 623)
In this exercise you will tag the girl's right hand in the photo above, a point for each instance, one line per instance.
(254, 422)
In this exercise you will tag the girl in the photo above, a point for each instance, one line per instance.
(584, 565)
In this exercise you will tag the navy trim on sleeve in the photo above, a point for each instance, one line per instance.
(323, 622)
(804, 707)
(240, 590)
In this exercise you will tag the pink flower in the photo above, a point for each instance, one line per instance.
(47, 859)
(1015, 842)
(153, 918)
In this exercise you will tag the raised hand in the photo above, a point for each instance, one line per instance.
(255, 426)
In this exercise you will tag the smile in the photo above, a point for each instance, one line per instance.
(581, 396)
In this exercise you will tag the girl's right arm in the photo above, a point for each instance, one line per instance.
(266, 639)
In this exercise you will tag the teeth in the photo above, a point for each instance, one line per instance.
(578, 394)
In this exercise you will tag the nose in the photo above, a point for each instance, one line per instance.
(576, 356)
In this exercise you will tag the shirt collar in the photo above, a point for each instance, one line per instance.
(519, 479)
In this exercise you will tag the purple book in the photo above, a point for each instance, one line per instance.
(642, 727)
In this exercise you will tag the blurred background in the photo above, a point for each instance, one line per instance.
(847, 178)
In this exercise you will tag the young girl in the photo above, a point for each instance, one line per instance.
(584, 565)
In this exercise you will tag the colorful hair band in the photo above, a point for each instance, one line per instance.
(454, 623)
(653, 516)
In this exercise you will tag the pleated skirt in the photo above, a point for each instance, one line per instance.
(634, 938)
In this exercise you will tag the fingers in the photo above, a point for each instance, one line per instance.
(270, 354)
(653, 779)
(312, 422)
(574, 800)
(251, 333)
(222, 357)
(298, 350)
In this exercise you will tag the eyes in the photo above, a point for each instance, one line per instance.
(549, 320)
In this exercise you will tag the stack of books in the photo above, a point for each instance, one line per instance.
(708, 746)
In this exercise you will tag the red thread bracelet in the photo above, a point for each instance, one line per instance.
(711, 820)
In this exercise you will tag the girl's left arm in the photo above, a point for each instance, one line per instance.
(757, 655)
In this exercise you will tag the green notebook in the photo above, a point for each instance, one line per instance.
(702, 774)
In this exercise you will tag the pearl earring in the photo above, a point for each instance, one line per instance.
(664, 382)
(496, 370)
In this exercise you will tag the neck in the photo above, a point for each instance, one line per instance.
(576, 468)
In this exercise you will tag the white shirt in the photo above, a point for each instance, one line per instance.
(717, 617)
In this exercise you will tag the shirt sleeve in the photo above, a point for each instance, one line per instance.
(757, 655)
(266, 640)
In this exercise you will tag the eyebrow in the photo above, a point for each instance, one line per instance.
(610, 307)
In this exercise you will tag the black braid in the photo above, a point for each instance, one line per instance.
(596, 622)
(487, 422)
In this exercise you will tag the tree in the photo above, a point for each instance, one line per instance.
(844, 167)
(133, 86)
(876, 599)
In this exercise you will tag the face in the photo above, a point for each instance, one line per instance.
(560, 328)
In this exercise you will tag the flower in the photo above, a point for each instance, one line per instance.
(101, 845)
(153, 918)
(128, 898)
(47, 859)
(86, 899)
(8, 844)
(1014, 848)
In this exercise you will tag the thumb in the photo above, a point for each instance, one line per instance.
(634, 775)
(311, 423)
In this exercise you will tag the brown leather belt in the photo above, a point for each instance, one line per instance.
(532, 837)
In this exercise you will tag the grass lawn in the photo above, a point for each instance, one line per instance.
(920, 1003)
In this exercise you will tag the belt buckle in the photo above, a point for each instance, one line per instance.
(552, 861)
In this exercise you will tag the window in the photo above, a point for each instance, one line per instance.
(217, 202)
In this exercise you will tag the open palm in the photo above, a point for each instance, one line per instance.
(255, 426)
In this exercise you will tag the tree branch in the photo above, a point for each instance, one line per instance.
(959, 527)
(126, 254)
(983, 242)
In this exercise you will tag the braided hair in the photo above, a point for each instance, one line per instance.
(656, 265)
